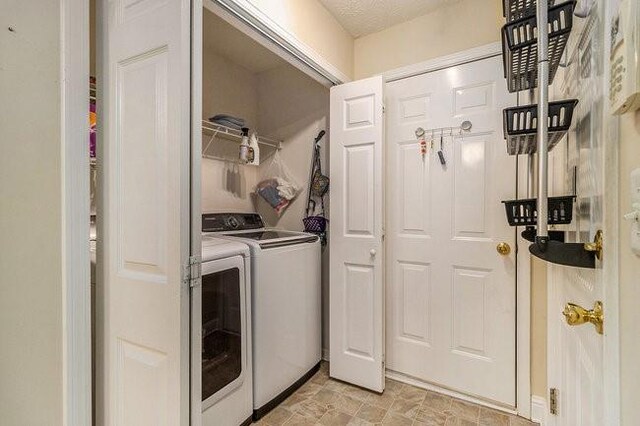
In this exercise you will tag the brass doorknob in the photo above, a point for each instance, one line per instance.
(503, 248)
(596, 245)
(576, 315)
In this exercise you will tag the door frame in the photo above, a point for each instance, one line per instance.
(523, 265)
(76, 297)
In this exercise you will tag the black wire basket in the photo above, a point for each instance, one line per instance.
(520, 46)
(521, 125)
(525, 212)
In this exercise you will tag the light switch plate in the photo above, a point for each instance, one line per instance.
(635, 198)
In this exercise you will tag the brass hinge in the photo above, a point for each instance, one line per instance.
(553, 401)
(191, 272)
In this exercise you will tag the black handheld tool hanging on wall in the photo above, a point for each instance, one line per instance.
(443, 161)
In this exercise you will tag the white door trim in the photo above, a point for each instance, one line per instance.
(442, 62)
(523, 276)
(76, 297)
(259, 26)
(611, 268)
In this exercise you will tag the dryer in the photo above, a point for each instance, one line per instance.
(221, 361)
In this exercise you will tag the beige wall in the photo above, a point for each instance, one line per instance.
(313, 25)
(629, 275)
(230, 89)
(457, 26)
(538, 327)
(30, 214)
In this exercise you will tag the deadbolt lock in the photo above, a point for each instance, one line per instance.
(577, 315)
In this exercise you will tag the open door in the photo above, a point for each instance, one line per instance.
(356, 229)
(143, 236)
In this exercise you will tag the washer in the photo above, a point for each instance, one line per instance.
(221, 361)
(286, 304)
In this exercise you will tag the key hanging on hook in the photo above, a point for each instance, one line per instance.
(422, 141)
(443, 161)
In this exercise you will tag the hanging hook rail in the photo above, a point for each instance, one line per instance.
(465, 126)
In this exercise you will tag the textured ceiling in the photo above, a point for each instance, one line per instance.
(362, 17)
(228, 42)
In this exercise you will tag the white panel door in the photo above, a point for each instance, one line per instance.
(451, 296)
(144, 217)
(356, 229)
(576, 354)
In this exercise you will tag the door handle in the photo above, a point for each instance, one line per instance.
(503, 248)
(596, 245)
(372, 252)
(577, 315)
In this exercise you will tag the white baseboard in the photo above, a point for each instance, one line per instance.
(539, 409)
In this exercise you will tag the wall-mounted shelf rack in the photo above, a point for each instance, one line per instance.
(514, 10)
(521, 126)
(525, 211)
(520, 44)
(228, 133)
(531, 59)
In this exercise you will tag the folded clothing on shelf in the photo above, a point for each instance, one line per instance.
(228, 121)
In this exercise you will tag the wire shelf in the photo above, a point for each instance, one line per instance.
(228, 133)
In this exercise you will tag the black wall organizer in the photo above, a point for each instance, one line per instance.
(521, 124)
(525, 212)
(521, 66)
(520, 44)
(514, 10)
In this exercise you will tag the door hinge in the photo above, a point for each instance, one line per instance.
(553, 400)
(191, 272)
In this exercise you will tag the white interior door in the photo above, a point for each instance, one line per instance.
(356, 227)
(143, 320)
(576, 354)
(451, 296)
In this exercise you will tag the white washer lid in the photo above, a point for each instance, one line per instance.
(217, 248)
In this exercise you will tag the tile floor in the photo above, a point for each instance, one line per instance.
(324, 401)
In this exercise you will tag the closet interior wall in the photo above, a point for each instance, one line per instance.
(244, 79)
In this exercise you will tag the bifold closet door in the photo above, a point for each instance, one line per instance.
(143, 314)
(451, 296)
(356, 227)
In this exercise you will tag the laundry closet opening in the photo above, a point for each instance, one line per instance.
(263, 126)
